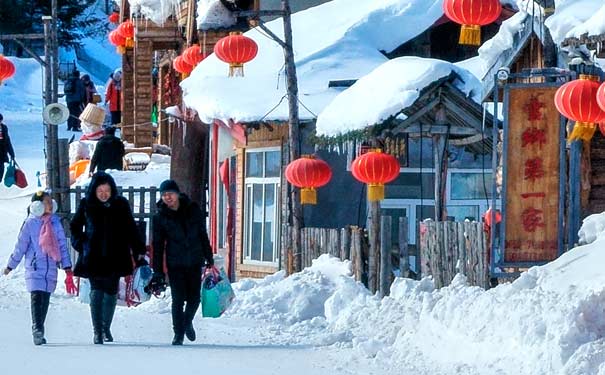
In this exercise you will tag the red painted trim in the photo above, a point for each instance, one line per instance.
(213, 180)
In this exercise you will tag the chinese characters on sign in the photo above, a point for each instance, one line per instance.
(532, 176)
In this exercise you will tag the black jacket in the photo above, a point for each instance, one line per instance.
(181, 235)
(104, 234)
(108, 154)
(6, 147)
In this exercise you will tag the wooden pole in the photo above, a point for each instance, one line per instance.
(438, 143)
(374, 258)
(64, 203)
(385, 255)
(293, 130)
(51, 130)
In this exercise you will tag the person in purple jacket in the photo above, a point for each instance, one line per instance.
(42, 242)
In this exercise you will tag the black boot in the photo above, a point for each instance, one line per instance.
(96, 313)
(39, 308)
(178, 323)
(190, 310)
(109, 307)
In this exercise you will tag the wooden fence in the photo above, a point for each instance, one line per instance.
(346, 243)
(448, 248)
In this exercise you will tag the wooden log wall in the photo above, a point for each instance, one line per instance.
(143, 65)
(448, 248)
(128, 93)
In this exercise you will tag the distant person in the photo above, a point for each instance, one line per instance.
(42, 242)
(6, 148)
(113, 97)
(109, 152)
(90, 90)
(75, 95)
(107, 239)
(179, 234)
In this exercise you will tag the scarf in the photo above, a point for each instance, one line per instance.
(48, 241)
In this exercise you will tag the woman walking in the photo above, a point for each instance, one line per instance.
(42, 242)
(104, 233)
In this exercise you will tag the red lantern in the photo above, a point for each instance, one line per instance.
(577, 100)
(126, 29)
(7, 68)
(308, 173)
(601, 96)
(375, 169)
(117, 40)
(236, 49)
(193, 55)
(472, 14)
(181, 66)
(114, 17)
(487, 217)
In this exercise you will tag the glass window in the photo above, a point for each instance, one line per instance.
(254, 164)
(471, 185)
(269, 229)
(461, 213)
(272, 164)
(425, 212)
(408, 185)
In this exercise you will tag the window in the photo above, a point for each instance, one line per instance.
(262, 186)
(471, 185)
(408, 185)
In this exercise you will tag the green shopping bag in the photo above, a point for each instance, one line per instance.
(9, 176)
(217, 293)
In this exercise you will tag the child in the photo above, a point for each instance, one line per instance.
(42, 242)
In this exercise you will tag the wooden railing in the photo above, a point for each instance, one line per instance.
(448, 248)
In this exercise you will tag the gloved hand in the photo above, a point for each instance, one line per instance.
(70, 286)
(141, 261)
(210, 262)
(158, 278)
(6, 271)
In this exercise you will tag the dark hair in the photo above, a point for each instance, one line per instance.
(110, 130)
(1, 117)
(85, 77)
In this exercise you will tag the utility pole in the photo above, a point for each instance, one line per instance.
(293, 118)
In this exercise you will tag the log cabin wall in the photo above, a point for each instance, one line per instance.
(128, 93)
(143, 65)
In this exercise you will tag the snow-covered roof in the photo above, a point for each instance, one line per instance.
(341, 39)
(574, 18)
(387, 91)
(155, 10)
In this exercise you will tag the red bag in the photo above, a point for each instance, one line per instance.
(20, 179)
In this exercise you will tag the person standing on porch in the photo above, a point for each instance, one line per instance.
(109, 152)
(75, 96)
(104, 233)
(179, 231)
(113, 97)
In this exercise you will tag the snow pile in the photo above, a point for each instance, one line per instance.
(386, 91)
(155, 10)
(26, 84)
(593, 227)
(212, 14)
(573, 18)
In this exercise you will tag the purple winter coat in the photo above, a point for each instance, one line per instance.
(40, 269)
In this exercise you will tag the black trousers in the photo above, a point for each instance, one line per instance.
(109, 284)
(1, 171)
(75, 110)
(116, 117)
(185, 286)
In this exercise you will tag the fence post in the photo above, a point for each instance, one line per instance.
(374, 253)
(385, 255)
(345, 243)
(404, 254)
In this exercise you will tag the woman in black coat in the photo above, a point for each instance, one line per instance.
(106, 237)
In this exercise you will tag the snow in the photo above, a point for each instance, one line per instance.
(573, 18)
(212, 14)
(388, 90)
(350, 47)
(155, 10)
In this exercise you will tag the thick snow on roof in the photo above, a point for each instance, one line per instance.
(573, 18)
(155, 10)
(386, 91)
(341, 39)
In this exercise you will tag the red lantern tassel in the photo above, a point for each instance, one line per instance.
(308, 196)
(236, 70)
(470, 35)
(375, 192)
(582, 131)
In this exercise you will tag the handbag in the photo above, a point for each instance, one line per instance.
(9, 176)
(20, 179)
(217, 293)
